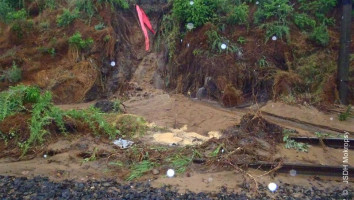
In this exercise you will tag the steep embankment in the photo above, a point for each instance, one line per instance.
(75, 68)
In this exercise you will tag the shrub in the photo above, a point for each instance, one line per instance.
(303, 21)
(273, 9)
(239, 14)
(317, 6)
(87, 7)
(47, 50)
(16, 15)
(14, 74)
(276, 29)
(67, 17)
(119, 3)
(51, 4)
(21, 27)
(215, 41)
(199, 13)
(43, 113)
(79, 43)
(320, 35)
(5, 8)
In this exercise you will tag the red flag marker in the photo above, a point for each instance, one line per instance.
(144, 21)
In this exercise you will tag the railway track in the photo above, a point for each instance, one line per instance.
(304, 169)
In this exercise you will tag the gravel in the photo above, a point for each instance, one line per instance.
(42, 188)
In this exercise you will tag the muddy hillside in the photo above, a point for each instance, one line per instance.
(235, 53)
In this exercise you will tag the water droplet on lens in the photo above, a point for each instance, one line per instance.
(223, 46)
(293, 172)
(190, 26)
(272, 187)
(170, 173)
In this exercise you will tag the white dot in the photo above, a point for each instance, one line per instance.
(272, 187)
(223, 46)
(170, 173)
(113, 63)
(257, 2)
(331, 118)
(45, 156)
(181, 40)
(188, 45)
(190, 26)
(293, 172)
(191, 3)
(274, 38)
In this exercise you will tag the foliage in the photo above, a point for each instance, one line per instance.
(179, 162)
(345, 115)
(313, 69)
(319, 8)
(273, 9)
(99, 26)
(87, 7)
(321, 135)
(241, 40)
(170, 32)
(94, 118)
(16, 15)
(199, 13)
(14, 74)
(12, 101)
(292, 144)
(50, 51)
(119, 3)
(79, 43)
(320, 35)
(67, 17)
(51, 4)
(215, 41)
(217, 150)
(131, 125)
(92, 157)
(239, 14)
(140, 168)
(21, 27)
(276, 29)
(43, 113)
(263, 62)
(304, 22)
(5, 8)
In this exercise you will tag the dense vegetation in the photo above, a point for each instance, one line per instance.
(28, 99)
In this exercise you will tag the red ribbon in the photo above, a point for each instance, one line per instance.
(144, 20)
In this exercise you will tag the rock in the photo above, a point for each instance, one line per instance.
(105, 106)
(155, 171)
(201, 93)
(211, 88)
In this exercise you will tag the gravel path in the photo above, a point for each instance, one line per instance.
(43, 188)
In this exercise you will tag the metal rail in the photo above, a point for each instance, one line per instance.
(330, 142)
(304, 169)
